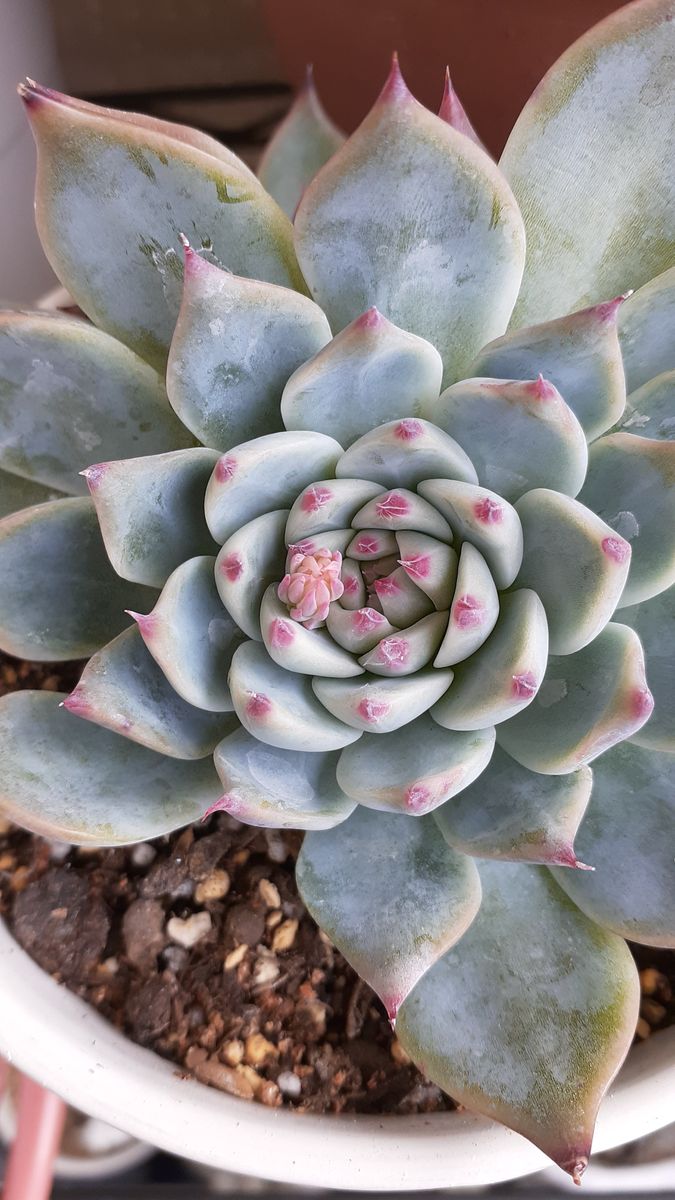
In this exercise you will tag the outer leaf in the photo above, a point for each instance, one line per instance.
(481, 517)
(70, 393)
(512, 813)
(292, 646)
(647, 330)
(575, 563)
(125, 272)
(528, 1019)
(235, 344)
(59, 596)
(589, 160)
(382, 705)
(124, 690)
(303, 142)
(251, 559)
(474, 609)
(151, 511)
(403, 453)
(654, 623)
(192, 637)
(414, 769)
(279, 789)
(580, 354)
(650, 411)
(588, 702)
(390, 895)
(371, 372)
(69, 779)
(631, 485)
(447, 269)
(628, 834)
(17, 492)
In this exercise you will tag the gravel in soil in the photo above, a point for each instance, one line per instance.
(198, 946)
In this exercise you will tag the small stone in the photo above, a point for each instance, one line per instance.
(650, 980)
(143, 933)
(243, 924)
(233, 1052)
(205, 854)
(266, 972)
(214, 887)
(277, 849)
(270, 1094)
(398, 1054)
(235, 957)
(143, 854)
(643, 1029)
(68, 947)
(110, 966)
(7, 861)
(51, 684)
(284, 936)
(289, 1084)
(149, 1010)
(274, 918)
(312, 1014)
(167, 875)
(252, 1077)
(175, 958)
(188, 931)
(653, 1011)
(269, 893)
(5, 827)
(259, 1050)
(59, 851)
(214, 1072)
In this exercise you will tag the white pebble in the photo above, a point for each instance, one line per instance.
(190, 930)
(289, 1084)
(143, 854)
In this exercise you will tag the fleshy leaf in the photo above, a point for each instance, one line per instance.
(590, 163)
(123, 689)
(151, 511)
(69, 779)
(17, 492)
(515, 814)
(292, 646)
(650, 410)
(414, 769)
(382, 705)
(263, 474)
(357, 630)
(529, 1017)
(627, 834)
(371, 372)
(250, 560)
(236, 342)
(391, 896)
(192, 636)
(327, 504)
(407, 650)
(401, 509)
(279, 789)
(575, 563)
(587, 703)
(280, 708)
(474, 609)
(70, 393)
(580, 354)
(401, 600)
(654, 623)
(481, 517)
(452, 111)
(432, 565)
(403, 453)
(125, 272)
(59, 596)
(646, 330)
(371, 544)
(504, 675)
(303, 142)
(631, 485)
(354, 595)
(448, 269)
(518, 435)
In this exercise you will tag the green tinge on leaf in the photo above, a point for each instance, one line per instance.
(587, 703)
(59, 596)
(403, 453)
(151, 511)
(17, 492)
(654, 623)
(235, 344)
(447, 269)
(251, 559)
(631, 485)
(303, 142)
(590, 163)
(391, 896)
(528, 1018)
(650, 410)
(279, 789)
(515, 814)
(125, 271)
(646, 325)
(627, 834)
(65, 778)
(123, 689)
(70, 394)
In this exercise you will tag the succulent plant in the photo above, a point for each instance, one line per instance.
(399, 553)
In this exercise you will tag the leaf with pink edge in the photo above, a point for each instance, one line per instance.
(414, 769)
(403, 453)
(69, 779)
(379, 705)
(587, 703)
(236, 342)
(17, 492)
(301, 144)
(391, 896)
(125, 272)
(590, 163)
(447, 270)
(151, 511)
(474, 609)
(627, 834)
(647, 330)
(654, 622)
(402, 509)
(452, 110)
(250, 560)
(518, 815)
(484, 519)
(371, 372)
(296, 648)
(529, 1017)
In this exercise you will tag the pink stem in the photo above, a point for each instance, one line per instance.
(30, 1167)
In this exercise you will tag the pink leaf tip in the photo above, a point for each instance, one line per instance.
(565, 857)
(395, 89)
(371, 319)
(575, 1167)
(94, 475)
(540, 388)
(392, 1005)
(76, 702)
(607, 311)
(146, 622)
(453, 113)
(226, 803)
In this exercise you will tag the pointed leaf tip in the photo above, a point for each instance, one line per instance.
(452, 111)
(395, 88)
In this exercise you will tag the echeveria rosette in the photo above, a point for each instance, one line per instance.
(399, 573)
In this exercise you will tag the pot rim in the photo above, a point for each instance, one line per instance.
(62, 1042)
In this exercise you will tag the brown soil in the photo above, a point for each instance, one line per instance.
(198, 946)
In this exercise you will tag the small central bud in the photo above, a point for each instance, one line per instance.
(312, 583)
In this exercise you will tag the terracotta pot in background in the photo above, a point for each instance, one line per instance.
(497, 50)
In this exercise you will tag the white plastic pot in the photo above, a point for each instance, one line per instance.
(60, 1041)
